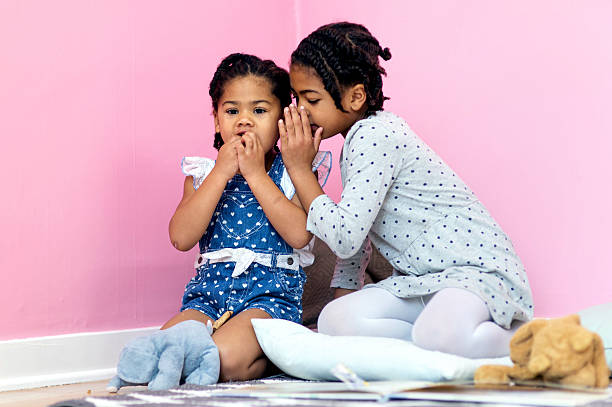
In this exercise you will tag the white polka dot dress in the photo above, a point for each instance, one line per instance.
(398, 194)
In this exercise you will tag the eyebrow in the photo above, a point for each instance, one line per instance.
(255, 102)
(303, 92)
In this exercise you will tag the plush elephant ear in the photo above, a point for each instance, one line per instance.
(138, 361)
(522, 341)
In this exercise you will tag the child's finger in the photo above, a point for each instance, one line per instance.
(305, 122)
(317, 138)
(235, 142)
(248, 142)
(256, 142)
(289, 124)
(239, 148)
(297, 122)
(282, 131)
(283, 134)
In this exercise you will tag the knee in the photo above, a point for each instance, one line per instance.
(337, 319)
(327, 319)
(437, 337)
(233, 365)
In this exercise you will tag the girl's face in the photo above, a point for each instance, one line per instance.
(248, 104)
(310, 92)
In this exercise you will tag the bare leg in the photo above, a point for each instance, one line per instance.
(371, 312)
(188, 314)
(458, 321)
(240, 353)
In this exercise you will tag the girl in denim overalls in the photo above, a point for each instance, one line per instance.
(243, 211)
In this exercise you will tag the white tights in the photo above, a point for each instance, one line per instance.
(452, 320)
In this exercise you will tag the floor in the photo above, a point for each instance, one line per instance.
(45, 396)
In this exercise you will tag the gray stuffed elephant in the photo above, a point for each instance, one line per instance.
(183, 352)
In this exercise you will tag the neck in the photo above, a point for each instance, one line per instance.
(357, 116)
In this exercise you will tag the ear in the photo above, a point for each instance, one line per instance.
(581, 340)
(571, 319)
(138, 360)
(356, 97)
(524, 335)
(217, 125)
(522, 341)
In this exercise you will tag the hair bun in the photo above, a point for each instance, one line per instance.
(385, 54)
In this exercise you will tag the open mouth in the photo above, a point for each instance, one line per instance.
(313, 128)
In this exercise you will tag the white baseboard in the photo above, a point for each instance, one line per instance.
(63, 359)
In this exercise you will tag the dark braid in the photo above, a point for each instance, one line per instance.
(239, 65)
(345, 54)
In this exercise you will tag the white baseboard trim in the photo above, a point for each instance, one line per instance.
(63, 359)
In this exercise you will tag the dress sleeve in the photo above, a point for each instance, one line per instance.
(322, 163)
(198, 168)
(350, 273)
(371, 161)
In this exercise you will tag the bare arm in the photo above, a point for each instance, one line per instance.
(306, 185)
(287, 217)
(196, 208)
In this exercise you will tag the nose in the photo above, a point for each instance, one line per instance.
(245, 120)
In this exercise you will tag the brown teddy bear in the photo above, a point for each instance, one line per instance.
(555, 351)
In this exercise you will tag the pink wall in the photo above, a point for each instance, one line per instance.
(100, 100)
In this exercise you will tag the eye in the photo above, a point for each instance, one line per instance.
(232, 111)
(260, 110)
(313, 102)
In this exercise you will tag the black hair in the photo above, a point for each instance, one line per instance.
(345, 54)
(239, 65)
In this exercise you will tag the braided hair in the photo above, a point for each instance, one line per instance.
(345, 54)
(240, 65)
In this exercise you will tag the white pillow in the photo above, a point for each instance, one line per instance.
(599, 319)
(302, 353)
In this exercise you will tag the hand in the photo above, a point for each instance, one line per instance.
(227, 159)
(298, 144)
(251, 157)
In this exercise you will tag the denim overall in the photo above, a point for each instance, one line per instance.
(239, 222)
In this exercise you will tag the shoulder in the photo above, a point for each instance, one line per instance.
(382, 134)
(381, 125)
(198, 168)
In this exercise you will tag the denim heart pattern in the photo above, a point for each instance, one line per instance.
(240, 214)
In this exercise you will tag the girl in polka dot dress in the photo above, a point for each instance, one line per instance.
(458, 285)
(243, 212)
